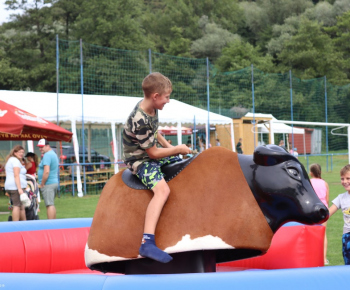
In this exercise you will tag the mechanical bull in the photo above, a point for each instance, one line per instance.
(223, 206)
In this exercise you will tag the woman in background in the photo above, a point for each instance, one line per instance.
(322, 190)
(16, 183)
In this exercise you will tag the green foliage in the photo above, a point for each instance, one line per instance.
(175, 16)
(28, 43)
(240, 54)
(112, 24)
(261, 16)
(310, 53)
(178, 45)
(213, 40)
(322, 12)
(340, 34)
(308, 37)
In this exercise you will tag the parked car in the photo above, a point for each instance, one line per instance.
(96, 157)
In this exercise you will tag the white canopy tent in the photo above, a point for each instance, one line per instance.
(101, 109)
(277, 128)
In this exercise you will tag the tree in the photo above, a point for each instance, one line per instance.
(311, 54)
(11, 78)
(225, 13)
(178, 45)
(112, 24)
(65, 12)
(213, 40)
(28, 42)
(175, 19)
(240, 54)
(261, 16)
(282, 33)
(340, 34)
(323, 12)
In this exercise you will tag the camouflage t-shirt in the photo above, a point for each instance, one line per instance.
(140, 133)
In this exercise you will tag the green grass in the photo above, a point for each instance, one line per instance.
(67, 206)
(74, 207)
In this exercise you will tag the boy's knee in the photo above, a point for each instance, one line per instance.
(162, 190)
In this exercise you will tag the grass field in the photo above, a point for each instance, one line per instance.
(74, 207)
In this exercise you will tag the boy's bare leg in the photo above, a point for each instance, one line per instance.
(148, 248)
(161, 193)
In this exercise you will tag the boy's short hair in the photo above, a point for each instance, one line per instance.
(156, 83)
(345, 170)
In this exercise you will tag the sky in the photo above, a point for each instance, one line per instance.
(4, 14)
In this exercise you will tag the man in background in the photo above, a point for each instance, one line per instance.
(48, 177)
(239, 146)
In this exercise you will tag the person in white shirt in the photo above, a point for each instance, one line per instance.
(16, 183)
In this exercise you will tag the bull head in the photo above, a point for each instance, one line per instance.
(282, 187)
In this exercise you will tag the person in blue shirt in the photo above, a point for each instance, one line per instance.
(48, 177)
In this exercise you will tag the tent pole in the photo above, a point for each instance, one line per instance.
(82, 110)
(233, 138)
(304, 145)
(89, 143)
(115, 149)
(272, 137)
(76, 152)
(194, 133)
(179, 134)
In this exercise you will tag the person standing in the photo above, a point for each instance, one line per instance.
(145, 160)
(322, 190)
(48, 177)
(33, 160)
(16, 183)
(239, 146)
(281, 144)
(342, 202)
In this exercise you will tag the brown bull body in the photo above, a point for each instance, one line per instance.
(210, 207)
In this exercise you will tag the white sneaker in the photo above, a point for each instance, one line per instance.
(25, 200)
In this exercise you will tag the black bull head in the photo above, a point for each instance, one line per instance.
(282, 187)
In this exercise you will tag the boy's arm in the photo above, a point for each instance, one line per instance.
(162, 141)
(332, 210)
(156, 153)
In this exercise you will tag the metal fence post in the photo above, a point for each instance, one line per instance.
(57, 73)
(326, 114)
(82, 108)
(208, 105)
(253, 101)
(291, 106)
(150, 60)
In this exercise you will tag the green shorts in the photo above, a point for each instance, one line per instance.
(150, 172)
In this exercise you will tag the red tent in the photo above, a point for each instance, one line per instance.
(17, 124)
(172, 130)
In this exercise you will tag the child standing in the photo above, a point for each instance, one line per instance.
(322, 190)
(342, 201)
(145, 159)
